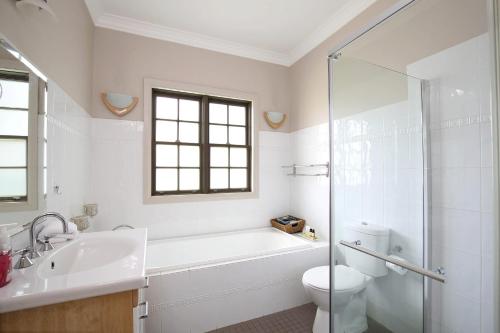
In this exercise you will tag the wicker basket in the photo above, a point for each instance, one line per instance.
(290, 228)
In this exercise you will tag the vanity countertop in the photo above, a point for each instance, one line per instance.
(94, 264)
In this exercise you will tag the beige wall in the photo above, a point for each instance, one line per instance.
(403, 40)
(309, 75)
(61, 49)
(123, 60)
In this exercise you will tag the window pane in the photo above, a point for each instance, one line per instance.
(218, 157)
(13, 182)
(166, 108)
(166, 131)
(237, 135)
(13, 122)
(218, 178)
(218, 113)
(12, 153)
(218, 134)
(166, 155)
(237, 115)
(238, 157)
(15, 94)
(238, 178)
(189, 179)
(166, 179)
(189, 156)
(189, 132)
(189, 110)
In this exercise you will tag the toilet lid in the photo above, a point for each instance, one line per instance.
(347, 278)
(318, 277)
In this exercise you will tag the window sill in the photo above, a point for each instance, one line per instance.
(173, 198)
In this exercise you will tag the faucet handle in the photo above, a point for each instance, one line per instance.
(24, 261)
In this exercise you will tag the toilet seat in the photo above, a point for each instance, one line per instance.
(317, 278)
(348, 279)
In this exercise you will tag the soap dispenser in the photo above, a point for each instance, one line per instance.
(5, 254)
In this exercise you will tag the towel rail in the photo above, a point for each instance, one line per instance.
(294, 168)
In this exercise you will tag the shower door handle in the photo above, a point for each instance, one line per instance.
(438, 275)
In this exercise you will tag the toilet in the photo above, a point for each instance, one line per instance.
(349, 305)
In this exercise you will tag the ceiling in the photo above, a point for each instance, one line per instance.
(276, 31)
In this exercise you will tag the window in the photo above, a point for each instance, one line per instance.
(200, 144)
(14, 125)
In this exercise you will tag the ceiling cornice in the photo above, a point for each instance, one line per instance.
(156, 31)
(146, 29)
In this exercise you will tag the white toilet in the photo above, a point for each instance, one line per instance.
(349, 306)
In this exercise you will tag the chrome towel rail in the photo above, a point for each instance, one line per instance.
(294, 168)
(439, 276)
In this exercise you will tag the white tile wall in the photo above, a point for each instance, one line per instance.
(310, 196)
(462, 185)
(117, 178)
(378, 179)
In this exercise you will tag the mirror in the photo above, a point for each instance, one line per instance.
(119, 104)
(23, 137)
(275, 119)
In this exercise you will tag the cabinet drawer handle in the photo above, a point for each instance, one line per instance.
(145, 313)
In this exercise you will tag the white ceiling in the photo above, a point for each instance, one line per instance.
(276, 31)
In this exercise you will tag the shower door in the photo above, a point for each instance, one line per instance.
(379, 199)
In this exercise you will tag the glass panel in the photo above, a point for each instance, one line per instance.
(189, 156)
(189, 110)
(237, 135)
(166, 179)
(166, 155)
(166, 131)
(238, 178)
(218, 157)
(13, 182)
(238, 157)
(12, 153)
(189, 179)
(237, 115)
(218, 134)
(166, 108)
(218, 178)
(15, 94)
(189, 132)
(13, 122)
(218, 113)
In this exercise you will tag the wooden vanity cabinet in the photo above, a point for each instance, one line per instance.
(106, 313)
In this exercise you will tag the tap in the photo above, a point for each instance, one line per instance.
(33, 251)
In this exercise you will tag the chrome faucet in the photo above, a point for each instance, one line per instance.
(33, 251)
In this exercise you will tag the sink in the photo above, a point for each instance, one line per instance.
(93, 264)
(84, 255)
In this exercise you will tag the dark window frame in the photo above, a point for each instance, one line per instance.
(203, 144)
(23, 77)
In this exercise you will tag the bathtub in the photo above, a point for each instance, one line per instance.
(188, 252)
(201, 283)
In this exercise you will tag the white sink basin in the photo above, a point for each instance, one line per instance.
(96, 263)
(85, 254)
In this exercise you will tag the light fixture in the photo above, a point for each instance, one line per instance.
(275, 119)
(119, 104)
(41, 4)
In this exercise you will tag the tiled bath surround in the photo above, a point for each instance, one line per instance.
(462, 183)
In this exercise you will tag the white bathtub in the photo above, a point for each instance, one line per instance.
(188, 252)
(201, 283)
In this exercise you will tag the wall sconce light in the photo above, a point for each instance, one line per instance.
(41, 4)
(275, 119)
(119, 104)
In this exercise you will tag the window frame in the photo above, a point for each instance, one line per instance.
(203, 143)
(30, 201)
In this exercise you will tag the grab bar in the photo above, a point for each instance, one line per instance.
(414, 268)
